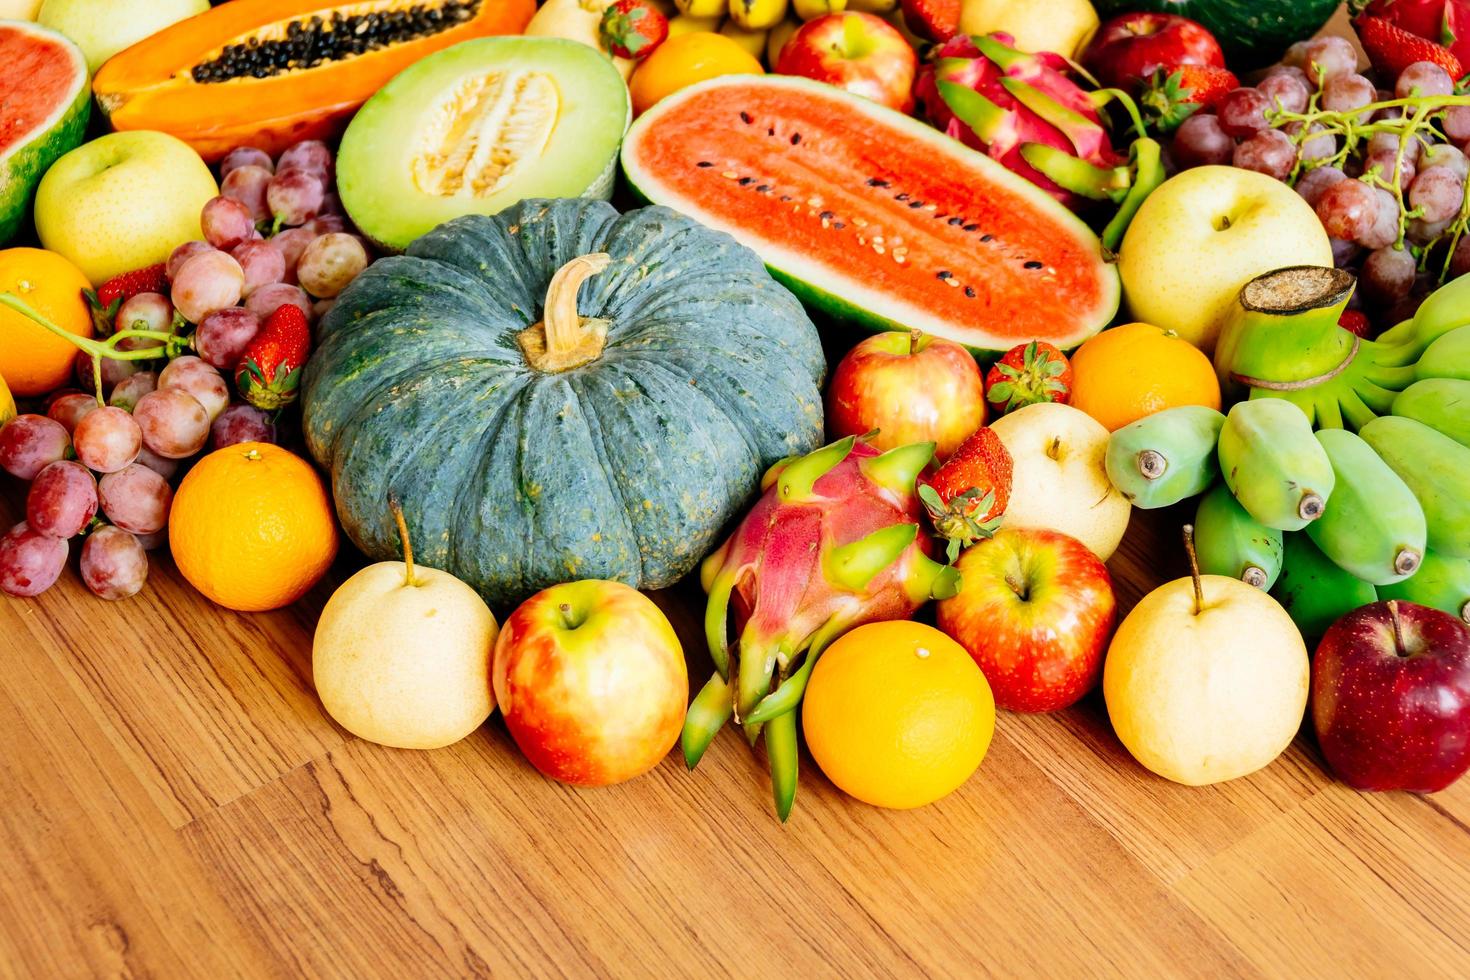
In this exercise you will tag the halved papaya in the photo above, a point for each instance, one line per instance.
(267, 73)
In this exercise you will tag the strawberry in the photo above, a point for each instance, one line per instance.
(270, 368)
(1027, 374)
(1392, 49)
(932, 20)
(966, 496)
(633, 28)
(1171, 95)
(1355, 321)
(111, 295)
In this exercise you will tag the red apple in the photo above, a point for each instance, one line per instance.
(860, 53)
(1391, 697)
(1127, 49)
(591, 681)
(911, 388)
(1035, 609)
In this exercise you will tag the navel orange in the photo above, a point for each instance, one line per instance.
(897, 714)
(1137, 369)
(33, 360)
(252, 527)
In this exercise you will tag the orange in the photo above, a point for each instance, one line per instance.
(897, 714)
(684, 60)
(252, 527)
(1125, 373)
(33, 360)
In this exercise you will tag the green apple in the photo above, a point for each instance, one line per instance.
(1060, 477)
(102, 28)
(19, 9)
(122, 202)
(1205, 233)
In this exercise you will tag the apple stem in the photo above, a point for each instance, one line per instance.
(1398, 628)
(916, 337)
(1199, 592)
(402, 538)
(566, 615)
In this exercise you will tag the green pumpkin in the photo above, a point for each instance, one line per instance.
(612, 438)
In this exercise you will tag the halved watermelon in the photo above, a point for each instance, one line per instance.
(43, 88)
(873, 216)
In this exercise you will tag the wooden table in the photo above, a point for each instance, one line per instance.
(175, 803)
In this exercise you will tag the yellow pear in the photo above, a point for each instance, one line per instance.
(402, 652)
(1206, 679)
(1063, 26)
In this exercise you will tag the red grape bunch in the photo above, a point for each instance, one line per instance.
(1383, 168)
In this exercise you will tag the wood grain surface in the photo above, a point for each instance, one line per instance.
(175, 803)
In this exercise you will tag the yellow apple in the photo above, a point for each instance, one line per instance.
(19, 9)
(102, 28)
(1060, 478)
(1205, 233)
(122, 202)
(1063, 26)
(1201, 695)
(401, 656)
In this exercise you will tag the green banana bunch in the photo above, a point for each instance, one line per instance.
(1443, 404)
(1373, 526)
(1313, 590)
(1165, 457)
(1441, 583)
(1437, 470)
(1272, 463)
(1447, 357)
(1230, 542)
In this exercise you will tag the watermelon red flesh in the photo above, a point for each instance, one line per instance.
(46, 103)
(872, 215)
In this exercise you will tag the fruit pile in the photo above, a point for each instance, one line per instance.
(542, 403)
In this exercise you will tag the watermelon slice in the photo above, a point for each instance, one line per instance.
(872, 216)
(43, 87)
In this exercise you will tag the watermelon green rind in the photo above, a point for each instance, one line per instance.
(32, 153)
(847, 299)
(1254, 33)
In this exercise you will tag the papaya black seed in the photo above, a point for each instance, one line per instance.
(1033, 264)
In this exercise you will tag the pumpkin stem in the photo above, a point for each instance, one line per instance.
(403, 538)
(563, 340)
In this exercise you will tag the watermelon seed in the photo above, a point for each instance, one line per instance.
(879, 249)
(795, 138)
(763, 188)
(916, 204)
(862, 240)
(1033, 264)
(729, 175)
(956, 220)
(745, 118)
(827, 215)
(814, 202)
(876, 182)
(987, 237)
(770, 130)
(970, 291)
(704, 163)
(944, 274)
(838, 225)
(901, 196)
(785, 198)
(972, 227)
(931, 207)
(745, 181)
(940, 216)
(860, 222)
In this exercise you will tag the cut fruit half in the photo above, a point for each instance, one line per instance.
(478, 127)
(873, 216)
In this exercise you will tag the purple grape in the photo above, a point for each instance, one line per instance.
(312, 156)
(1385, 230)
(154, 541)
(1295, 57)
(1445, 155)
(107, 440)
(292, 242)
(174, 424)
(1313, 182)
(1457, 123)
(1421, 232)
(223, 336)
(200, 379)
(1199, 141)
(207, 282)
(136, 499)
(70, 408)
(1387, 144)
(113, 371)
(1320, 147)
(146, 311)
(1269, 151)
(241, 423)
(326, 224)
(125, 396)
(248, 186)
(1385, 164)
(1437, 193)
(334, 260)
(1423, 78)
(1286, 90)
(30, 443)
(1347, 209)
(262, 263)
(332, 204)
(1460, 259)
(264, 301)
(30, 562)
(114, 565)
(1328, 57)
(226, 222)
(62, 499)
(165, 468)
(294, 196)
(1344, 253)
(244, 156)
(184, 253)
(1388, 275)
(1242, 112)
(1344, 93)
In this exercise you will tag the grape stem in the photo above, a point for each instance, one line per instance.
(173, 344)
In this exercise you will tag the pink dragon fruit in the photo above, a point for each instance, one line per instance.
(833, 542)
(996, 99)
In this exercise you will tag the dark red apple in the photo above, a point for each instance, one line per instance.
(1035, 609)
(1391, 697)
(911, 388)
(1127, 49)
(860, 53)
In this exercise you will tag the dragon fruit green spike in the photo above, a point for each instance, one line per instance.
(833, 542)
(996, 99)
